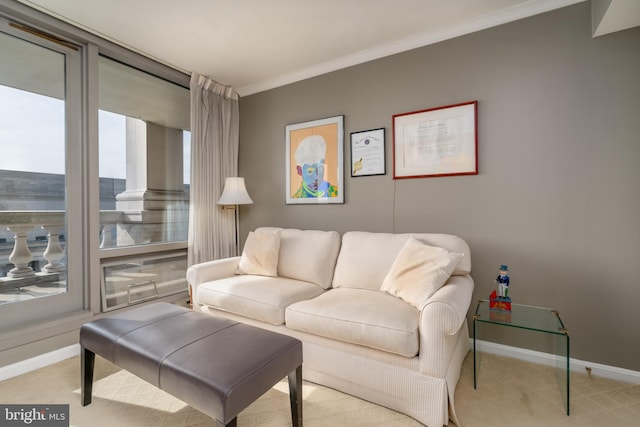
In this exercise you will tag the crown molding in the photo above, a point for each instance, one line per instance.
(514, 13)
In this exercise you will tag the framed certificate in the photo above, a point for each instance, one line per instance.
(368, 153)
(440, 141)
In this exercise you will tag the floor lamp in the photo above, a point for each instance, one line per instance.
(234, 194)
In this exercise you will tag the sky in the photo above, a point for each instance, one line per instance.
(32, 136)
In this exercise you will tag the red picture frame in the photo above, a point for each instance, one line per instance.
(434, 142)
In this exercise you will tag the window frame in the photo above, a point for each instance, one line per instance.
(83, 179)
(148, 248)
(71, 301)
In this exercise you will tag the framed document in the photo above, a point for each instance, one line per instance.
(368, 153)
(440, 141)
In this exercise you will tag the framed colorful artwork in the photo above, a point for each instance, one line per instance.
(314, 161)
(439, 141)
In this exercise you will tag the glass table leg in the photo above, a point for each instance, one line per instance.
(476, 355)
(562, 363)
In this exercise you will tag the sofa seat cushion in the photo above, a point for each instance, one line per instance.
(257, 297)
(359, 316)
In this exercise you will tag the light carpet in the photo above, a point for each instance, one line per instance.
(510, 393)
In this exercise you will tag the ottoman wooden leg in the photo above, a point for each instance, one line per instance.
(232, 423)
(87, 359)
(295, 396)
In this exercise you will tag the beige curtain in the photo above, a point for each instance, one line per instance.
(214, 156)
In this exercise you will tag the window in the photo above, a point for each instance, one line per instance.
(94, 166)
(144, 148)
(37, 134)
(32, 119)
(143, 122)
(139, 279)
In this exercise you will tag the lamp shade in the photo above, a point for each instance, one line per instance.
(235, 192)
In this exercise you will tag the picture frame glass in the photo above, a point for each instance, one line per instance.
(315, 161)
(440, 141)
(368, 153)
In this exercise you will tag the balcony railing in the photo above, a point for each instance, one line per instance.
(30, 230)
(22, 223)
(27, 228)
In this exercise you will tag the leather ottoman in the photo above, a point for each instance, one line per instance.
(216, 365)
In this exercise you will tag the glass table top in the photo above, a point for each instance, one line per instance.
(522, 316)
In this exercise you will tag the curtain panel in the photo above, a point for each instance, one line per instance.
(214, 156)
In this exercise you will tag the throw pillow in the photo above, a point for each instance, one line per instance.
(260, 254)
(419, 271)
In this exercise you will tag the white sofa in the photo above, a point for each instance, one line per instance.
(356, 337)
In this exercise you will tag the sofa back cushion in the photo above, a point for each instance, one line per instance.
(366, 258)
(308, 255)
(260, 254)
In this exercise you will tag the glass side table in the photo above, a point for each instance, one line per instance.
(539, 319)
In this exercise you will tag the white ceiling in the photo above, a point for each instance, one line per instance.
(255, 45)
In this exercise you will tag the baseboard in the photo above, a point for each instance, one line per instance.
(38, 362)
(597, 369)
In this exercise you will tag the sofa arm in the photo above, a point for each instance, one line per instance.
(440, 320)
(208, 271)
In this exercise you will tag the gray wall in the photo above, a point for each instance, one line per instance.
(557, 197)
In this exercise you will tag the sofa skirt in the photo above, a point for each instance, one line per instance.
(388, 380)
